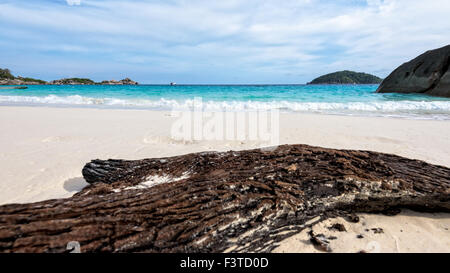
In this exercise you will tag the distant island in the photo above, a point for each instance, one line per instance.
(6, 78)
(82, 81)
(347, 77)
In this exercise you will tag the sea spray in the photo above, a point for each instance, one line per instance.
(325, 99)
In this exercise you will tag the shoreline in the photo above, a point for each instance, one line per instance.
(45, 148)
(428, 117)
(341, 100)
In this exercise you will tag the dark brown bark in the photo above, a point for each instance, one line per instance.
(248, 200)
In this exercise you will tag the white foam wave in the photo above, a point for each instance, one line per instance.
(437, 108)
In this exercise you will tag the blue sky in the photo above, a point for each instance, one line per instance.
(206, 41)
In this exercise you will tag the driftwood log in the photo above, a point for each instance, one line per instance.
(214, 202)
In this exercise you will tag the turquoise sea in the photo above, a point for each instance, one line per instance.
(326, 99)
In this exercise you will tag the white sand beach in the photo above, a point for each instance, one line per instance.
(407, 232)
(42, 152)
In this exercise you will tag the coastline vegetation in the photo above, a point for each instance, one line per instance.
(76, 81)
(7, 78)
(347, 77)
(27, 79)
(6, 74)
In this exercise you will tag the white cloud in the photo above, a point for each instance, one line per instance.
(73, 2)
(308, 37)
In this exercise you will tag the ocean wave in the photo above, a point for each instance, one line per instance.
(427, 109)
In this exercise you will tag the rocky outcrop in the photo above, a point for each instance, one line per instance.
(6, 78)
(73, 81)
(126, 81)
(213, 202)
(18, 81)
(78, 81)
(427, 74)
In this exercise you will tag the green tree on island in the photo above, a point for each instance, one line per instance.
(6, 74)
(347, 77)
